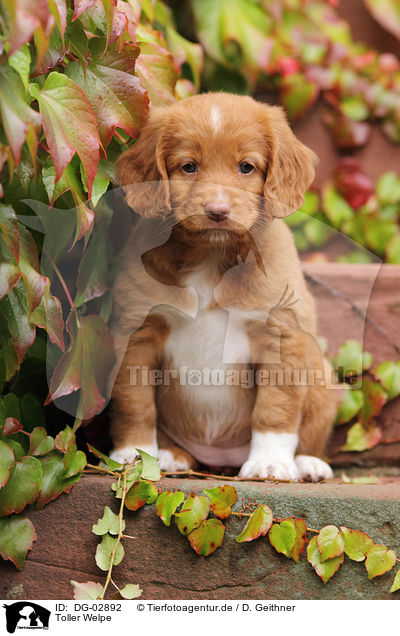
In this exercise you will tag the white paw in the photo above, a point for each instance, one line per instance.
(313, 468)
(264, 468)
(169, 463)
(127, 454)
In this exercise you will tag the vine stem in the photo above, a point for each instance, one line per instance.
(194, 473)
(96, 469)
(119, 537)
(60, 278)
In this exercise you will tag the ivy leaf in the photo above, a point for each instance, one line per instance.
(325, 569)
(347, 134)
(379, 560)
(167, 504)
(297, 94)
(282, 537)
(356, 543)
(130, 591)
(388, 188)
(351, 405)
(301, 539)
(88, 591)
(375, 398)
(258, 524)
(85, 365)
(22, 487)
(207, 537)
(17, 535)
(74, 462)
(388, 374)
(157, 71)
(7, 461)
(378, 233)
(70, 125)
(16, 115)
(54, 482)
(14, 308)
(351, 359)
(335, 206)
(48, 316)
(194, 511)
(396, 582)
(93, 274)
(330, 543)
(148, 466)
(222, 498)
(108, 523)
(360, 438)
(116, 94)
(40, 442)
(140, 493)
(104, 552)
(110, 463)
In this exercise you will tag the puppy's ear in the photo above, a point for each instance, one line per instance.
(142, 172)
(291, 167)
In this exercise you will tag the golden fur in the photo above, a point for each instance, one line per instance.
(231, 288)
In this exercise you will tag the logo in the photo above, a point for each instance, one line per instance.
(26, 615)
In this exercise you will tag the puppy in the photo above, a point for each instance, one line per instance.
(215, 330)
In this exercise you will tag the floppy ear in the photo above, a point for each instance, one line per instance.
(291, 168)
(142, 172)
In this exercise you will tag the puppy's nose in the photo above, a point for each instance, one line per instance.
(217, 211)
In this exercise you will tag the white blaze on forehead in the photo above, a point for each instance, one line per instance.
(215, 118)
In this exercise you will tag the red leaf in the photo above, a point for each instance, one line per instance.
(11, 426)
(70, 125)
(352, 183)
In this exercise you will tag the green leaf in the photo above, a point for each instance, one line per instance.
(194, 511)
(110, 463)
(282, 537)
(7, 461)
(17, 535)
(335, 207)
(222, 498)
(16, 115)
(167, 504)
(393, 250)
(351, 405)
(149, 466)
(21, 62)
(14, 309)
(22, 487)
(40, 442)
(355, 108)
(375, 398)
(54, 480)
(351, 358)
(326, 569)
(297, 94)
(356, 543)
(396, 582)
(93, 274)
(258, 524)
(105, 550)
(388, 374)
(157, 72)
(130, 591)
(108, 523)
(48, 316)
(330, 543)
(85, 366)
(379, 233)
(88, 591)
(379, 560)
(301, 539)
(70, 125)
(140, 493)
(207, 537)
(360, 438)
(388, 188)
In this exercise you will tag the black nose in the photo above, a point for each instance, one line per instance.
(217, 211)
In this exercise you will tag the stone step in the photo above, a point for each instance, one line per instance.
(162, 562)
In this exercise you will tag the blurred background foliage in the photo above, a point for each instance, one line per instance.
(77, 79)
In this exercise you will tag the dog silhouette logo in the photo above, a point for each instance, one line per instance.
(26, 615)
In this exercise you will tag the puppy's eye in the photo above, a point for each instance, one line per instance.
(245, 167)
(189, 167)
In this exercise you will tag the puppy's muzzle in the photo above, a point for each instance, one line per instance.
(217, 211)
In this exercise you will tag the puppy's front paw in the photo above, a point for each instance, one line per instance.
(127, 454)
(171, 460)
(312, 468)
(264, 468)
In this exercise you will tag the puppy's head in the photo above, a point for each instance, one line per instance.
(219, 162)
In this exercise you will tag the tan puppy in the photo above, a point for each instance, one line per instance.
(214, 327)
